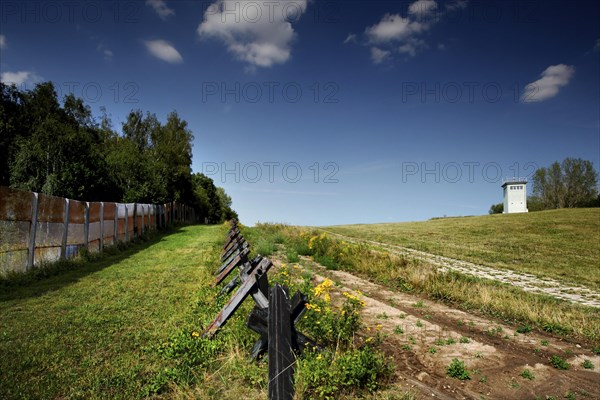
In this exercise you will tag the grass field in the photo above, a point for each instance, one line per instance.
(562, 244)
(129, 325)
(92, 332)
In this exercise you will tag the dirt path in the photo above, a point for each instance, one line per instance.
(527, 282)
(494, 353)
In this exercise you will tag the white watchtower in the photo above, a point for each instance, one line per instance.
(515, 195)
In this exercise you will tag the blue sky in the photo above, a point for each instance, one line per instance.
(331, 112)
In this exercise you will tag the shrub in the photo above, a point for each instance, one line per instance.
(457, 370)
(524, 328)
(559, 363)
(527, 374)
(587, 364)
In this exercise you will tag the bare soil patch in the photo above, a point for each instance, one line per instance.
(494, 353)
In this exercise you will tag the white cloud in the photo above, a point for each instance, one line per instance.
(19, 78)
(163, 50)
(258, 33)
(422, 8)
(551, 80)
(161, 8)
(108, 54)
(351, 38)
(3, 42)
(378, 56)
(16, 78)
(402, 35)
(391, 27)
(457, 5)
(411, 46)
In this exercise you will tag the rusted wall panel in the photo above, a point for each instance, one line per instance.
(75, 234)
(16, 212)
(49, 234)
(15, 205)
(13, 261)
(130, 225)
(109, 230)
(121, 226)
(109, 211)
(14, 235)
(76, 212)
(94, 246)
(51, 209)
(46, 254)
(94, 231)
(95, 212)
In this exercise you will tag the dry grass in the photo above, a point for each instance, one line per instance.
(495, 299)
(561, 244)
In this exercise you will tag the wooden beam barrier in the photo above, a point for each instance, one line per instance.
(249, 285)
(281, 357)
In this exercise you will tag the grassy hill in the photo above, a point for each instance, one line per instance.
(562, 244)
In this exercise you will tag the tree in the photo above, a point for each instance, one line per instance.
(205, 184)
(573, 183)
(497, 208)
(225, 203)
(58, 148)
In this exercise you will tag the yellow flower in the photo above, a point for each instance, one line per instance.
(311, 242)
(323, 288)
(195, 334)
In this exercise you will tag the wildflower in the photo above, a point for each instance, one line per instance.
(323, 288)
(311, 242)
(195, 334)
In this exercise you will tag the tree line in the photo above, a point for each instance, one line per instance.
(570, 184)
(61, 149)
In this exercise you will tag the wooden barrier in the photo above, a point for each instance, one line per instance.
(274, 316)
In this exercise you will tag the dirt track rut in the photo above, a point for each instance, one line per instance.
(492, 351)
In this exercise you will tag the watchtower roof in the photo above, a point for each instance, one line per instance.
(514, 181)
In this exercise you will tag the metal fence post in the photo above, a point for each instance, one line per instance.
(65, 237)
(126, 224)
(135, 222)
(116, 227)
(32, 230)
(101, 226)
(86, 226)
(142, 227)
